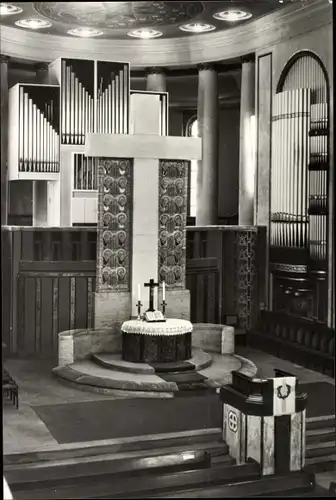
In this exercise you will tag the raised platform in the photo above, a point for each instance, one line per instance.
(89, 375)
(199, 361)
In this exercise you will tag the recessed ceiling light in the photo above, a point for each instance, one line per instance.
(7, 9)
(232, 15)
(84, 32)
(33, 23)
(197, 27)
(145, 33)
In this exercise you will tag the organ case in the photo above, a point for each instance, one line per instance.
(163, 98)
(94, 97)
(34, 125)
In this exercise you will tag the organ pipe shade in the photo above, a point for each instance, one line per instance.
(85, 171)
(34, 114)
(290, 157)
(94, 98)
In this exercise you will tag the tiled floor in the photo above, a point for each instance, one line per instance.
(23, 430)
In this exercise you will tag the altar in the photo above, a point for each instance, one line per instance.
(162, 342)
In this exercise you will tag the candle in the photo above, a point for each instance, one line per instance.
(163, 290)
(139, 296)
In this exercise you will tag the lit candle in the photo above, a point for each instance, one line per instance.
(139, 296)
(163, 290)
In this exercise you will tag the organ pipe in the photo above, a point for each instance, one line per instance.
(38, 142)
(289, 166)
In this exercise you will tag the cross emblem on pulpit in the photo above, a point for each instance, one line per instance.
(151, 285)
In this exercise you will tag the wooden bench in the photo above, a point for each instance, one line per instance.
(10, 388)
(302, 341)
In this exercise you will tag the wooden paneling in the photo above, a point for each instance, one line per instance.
(50, 278)
(51, 302)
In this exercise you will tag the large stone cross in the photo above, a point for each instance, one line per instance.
(140, 154)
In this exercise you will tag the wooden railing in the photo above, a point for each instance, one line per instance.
(49, 280)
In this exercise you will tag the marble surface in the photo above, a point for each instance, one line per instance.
(214, 338)
(296, 444)
(253, 437)
(268, 445)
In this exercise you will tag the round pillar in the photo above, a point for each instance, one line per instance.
(42, 73)
(247, 143)
(4, 60)
(207, 172)
(156, 80)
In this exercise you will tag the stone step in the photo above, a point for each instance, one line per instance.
(200, 360)
(325, 444)
(92, 469)
(114, 487)
(296, 483)
(320, 422)
(320, 437)
(322, 431)
(321, 463)
(197, 439)
(321, 451)
(183, 457)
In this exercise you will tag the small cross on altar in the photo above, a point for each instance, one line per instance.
(151, 285)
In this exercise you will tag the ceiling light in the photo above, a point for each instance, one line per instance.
(197, 27)
(7, 9)
(232, 15)
(145, 33)
(33, 23)
(84, 32)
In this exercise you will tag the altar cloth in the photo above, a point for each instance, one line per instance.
(168, 327)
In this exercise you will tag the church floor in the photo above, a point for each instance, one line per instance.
(24, 431)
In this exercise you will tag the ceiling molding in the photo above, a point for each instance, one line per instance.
(289, 22)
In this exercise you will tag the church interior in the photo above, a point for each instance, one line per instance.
(167, 249)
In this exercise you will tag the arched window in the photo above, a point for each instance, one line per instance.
(192, 131)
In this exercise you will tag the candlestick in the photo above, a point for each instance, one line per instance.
(139, 295)
(164, 303)
(163, 291)
(139, 305)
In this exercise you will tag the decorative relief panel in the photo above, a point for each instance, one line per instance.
(114, 224)
(246, 277)
(173, 179)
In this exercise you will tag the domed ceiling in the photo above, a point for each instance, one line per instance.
(115, 20)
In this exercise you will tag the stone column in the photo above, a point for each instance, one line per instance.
(156, 80)
(207, 175)
(247, 143)
(4, 137)
(42, 73)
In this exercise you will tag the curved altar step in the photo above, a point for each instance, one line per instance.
(89, 376)
(199, 361)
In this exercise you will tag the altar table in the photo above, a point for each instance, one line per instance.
(145, 342)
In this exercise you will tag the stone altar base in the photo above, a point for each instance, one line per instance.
(91, 360)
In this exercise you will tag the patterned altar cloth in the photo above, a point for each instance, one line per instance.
(144, 342)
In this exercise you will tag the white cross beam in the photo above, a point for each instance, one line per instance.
(146, 147)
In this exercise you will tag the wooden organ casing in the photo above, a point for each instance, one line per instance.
(94, 98)
(34, 132)
(163, 98)
(299, 190)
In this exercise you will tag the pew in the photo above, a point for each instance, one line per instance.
(300, 340)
